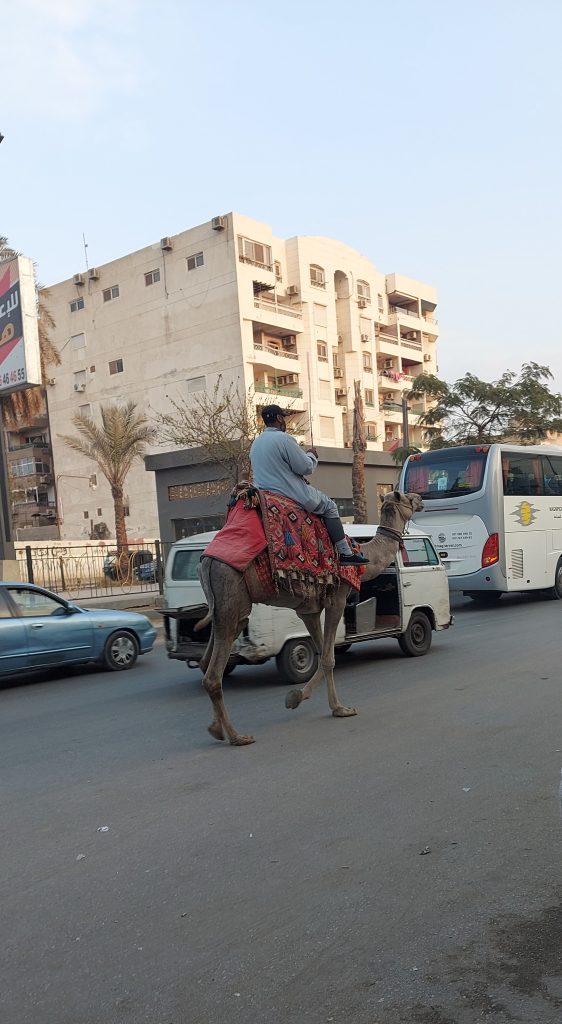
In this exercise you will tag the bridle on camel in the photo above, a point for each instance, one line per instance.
(386, 531)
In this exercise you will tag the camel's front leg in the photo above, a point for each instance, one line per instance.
(331, 622)
(296, 697)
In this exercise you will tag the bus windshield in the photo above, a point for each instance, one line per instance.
(446, 473)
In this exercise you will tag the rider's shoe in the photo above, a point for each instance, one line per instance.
(355, 558)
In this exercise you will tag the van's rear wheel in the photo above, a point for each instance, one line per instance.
(298, 661)
(416, 640)
(485, 597)
(555, 593)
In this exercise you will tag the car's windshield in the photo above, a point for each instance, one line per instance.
(447, 473)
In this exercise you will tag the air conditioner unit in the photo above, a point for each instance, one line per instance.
(289, 342)
(427, 358)
(388, 364)
(79, 387)
(166, 244)
(52, 381)
(343, 408)
(292, 290)
(78, 279)
(338, 372)
(93, 274)
(218, 223)
(291, 378)
(341, 393)
(365, 337)
(362, 303)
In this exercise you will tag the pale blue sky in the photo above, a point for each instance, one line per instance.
(425, 135)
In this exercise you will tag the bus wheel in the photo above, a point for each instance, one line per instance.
(555, 593)
(484, 597)
(417, 638)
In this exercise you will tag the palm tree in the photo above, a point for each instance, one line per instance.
(22, 407)
(122, 438)
(359, 446)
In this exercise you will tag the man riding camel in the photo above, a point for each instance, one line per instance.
(279, 464)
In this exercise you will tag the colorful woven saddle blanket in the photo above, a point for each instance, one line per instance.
(290, 547)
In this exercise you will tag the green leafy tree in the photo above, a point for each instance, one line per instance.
(114, 445)
(519, 407)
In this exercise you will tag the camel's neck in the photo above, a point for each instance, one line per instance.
(380, 551)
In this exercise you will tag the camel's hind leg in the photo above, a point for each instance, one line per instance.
(232, 608)
(325, 645)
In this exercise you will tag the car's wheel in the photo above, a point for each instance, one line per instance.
(555, 593)
(417, 638)
(484, 597)
(121, 651)
(298, 661)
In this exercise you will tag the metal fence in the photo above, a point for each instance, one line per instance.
(93, 571)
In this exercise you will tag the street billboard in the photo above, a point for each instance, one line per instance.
(20, 363)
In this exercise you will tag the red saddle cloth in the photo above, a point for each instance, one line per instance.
(299, 550)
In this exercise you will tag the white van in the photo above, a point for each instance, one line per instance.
(407, 601)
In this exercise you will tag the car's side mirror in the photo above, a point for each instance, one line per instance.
(72, 609)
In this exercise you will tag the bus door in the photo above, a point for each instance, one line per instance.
(525, 521)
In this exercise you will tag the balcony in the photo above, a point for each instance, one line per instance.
(278, 308)
(27, 446)
(274, 352)
(272, 390)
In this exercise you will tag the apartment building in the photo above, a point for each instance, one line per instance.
(29, 460)
(297, 321)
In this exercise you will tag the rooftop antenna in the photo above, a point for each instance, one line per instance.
(85, 250)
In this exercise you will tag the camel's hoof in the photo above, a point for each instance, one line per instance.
(216, 731)
(342, 712)
(293, 699)
(242, 741)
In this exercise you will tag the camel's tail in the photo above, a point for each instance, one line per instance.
(205, 577)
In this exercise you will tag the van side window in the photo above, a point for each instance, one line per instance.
(522, 474)
(419, 551)
(186, 564)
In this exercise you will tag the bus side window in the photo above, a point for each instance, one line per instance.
(523, 474)
(552, 472)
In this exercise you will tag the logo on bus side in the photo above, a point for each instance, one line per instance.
(525, 513)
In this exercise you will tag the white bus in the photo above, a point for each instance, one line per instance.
(494, 513)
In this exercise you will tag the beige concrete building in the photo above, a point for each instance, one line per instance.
(296, 320)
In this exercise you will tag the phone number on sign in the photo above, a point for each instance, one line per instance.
(14, 377)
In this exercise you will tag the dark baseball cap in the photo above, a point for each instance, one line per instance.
(270, 413)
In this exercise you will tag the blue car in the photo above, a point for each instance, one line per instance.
(38, 629)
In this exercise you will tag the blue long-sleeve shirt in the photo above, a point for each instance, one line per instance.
(279, 465)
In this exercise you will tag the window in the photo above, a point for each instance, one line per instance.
(33, 603)
(187, 527)
(78, 342)
(336, 359)
(345, 507)
(371, 430)
(111, 293)
(278, 274)
(445, 474)
(99, 512)
(552, 472)
(419, 551)
(76, 304)
(364, 291)
(369, 396)
(380, 303)
(322, 351)
(5, 612)
(126, 510)
(93, 480)
(85, 410)
(256, 253)
(116, 366)
(86, 515)
(80, 380)
(186, 565)
(29, 467)
(320, 315)
(327, 427)
(325, 390)
(195, 261)
(317, 276)
(522, 474)
(152, 277)
(195, 384)
(368, 362)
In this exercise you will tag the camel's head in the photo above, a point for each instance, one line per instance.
(398, 509)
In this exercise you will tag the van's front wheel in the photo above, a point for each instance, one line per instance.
(416, 640)
(298, 661)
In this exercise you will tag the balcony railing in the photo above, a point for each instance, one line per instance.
(277, 307)
(318, 284)
(273, 351)
(411, 344)
(270, 390)
(256, 263)
(392, 406)
(430, 320)
(401, 311)
(28, 444)
(387, 337)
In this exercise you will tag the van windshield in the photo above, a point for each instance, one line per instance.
(446, 473)
(186, 564)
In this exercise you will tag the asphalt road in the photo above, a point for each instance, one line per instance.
(400, 866)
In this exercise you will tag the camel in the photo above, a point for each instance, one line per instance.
(230, 605)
